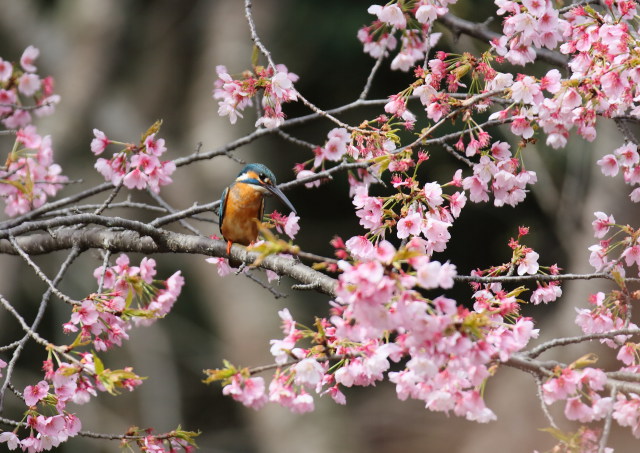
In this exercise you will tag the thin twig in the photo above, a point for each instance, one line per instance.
(109, 199)
(168, 207)
(26, 107)
(465, 104)
(163, 436)
(75, 252)
(105, 265)
(543, 405)
(604, 438)
(7, 306)
(258, 43)
(556, 342)
(10, 346)
(41, 274)
(457, 155)
(575, 5)
(276, 294)
(295, 140)
(54, 205)
(372, 74)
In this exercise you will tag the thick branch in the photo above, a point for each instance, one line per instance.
(166, 242)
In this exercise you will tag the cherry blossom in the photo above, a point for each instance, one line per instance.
(236, 94)
(31, 176)
(136, 166)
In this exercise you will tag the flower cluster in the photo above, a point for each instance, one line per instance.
(284, 224)
(499, 172)
(235, 95)
(135, 166)
(624, 158)
(601, 58)
(529, 24)
(579, 387)
(72, 376)
(30, 175)
(379, 316)
(584, 440)
(609, 313)
(413, 20)
(105, 318)
(70, 382)
(604, 72)
(524, 260)
(609, 255)
(416, 211)
(626, 411)
(19, 83)
(76, 382)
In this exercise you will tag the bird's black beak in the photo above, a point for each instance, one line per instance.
(278, 193)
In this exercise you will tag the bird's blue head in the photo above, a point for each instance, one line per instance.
(260, 176)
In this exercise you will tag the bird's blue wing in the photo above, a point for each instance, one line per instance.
(223, 206)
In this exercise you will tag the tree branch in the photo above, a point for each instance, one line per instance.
(168, 242)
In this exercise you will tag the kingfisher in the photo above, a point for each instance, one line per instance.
(242, 204)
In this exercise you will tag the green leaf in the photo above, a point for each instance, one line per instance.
(17, 184)
(187, 436)
(222, 374)
(155, 127)
(98, 365)
(140, 313)
(558, 434)
(255, 54)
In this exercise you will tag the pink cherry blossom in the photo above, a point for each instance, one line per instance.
(21, 195)
(602, 224)
(409, 225)
(11, 439)
(360, 247)
(390, 14)
(546, 293)
(526, 91)
(529, 264)
(28, 58)
(6, 70)
(626, 411)
(627, 354)
(306, 174)
(249, 391)
(631, 255)
(28, 84)
(86, 314)
(426, 14)
(35, 393)
(222, 265)
(308, 372)
(291, 226)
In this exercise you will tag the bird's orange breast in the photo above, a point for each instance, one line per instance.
(242, 213)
